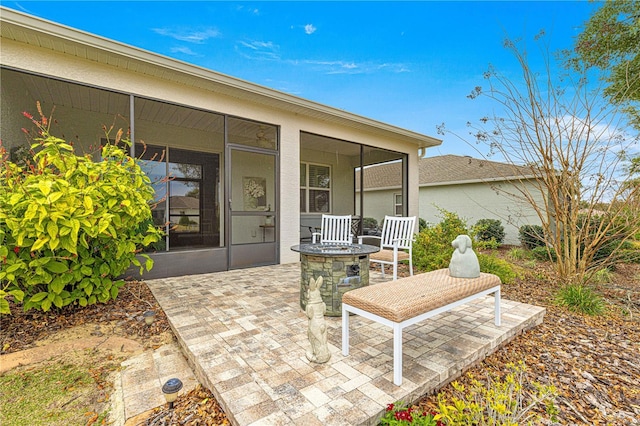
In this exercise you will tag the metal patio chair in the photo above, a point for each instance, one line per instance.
(396, 241)
(334, 229)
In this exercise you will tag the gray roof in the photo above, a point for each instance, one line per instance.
(177, 202)
(445, 170)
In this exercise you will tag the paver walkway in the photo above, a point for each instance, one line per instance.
(245, 337)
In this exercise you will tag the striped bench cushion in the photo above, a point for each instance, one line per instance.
(409, 297)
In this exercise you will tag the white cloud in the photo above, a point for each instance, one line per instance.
(309, 29)
(258, 50)
(191, 36)
(351, 67)
(267, 50)
(183, 49)
(251, 10)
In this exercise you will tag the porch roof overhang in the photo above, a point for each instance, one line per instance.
(45, 34)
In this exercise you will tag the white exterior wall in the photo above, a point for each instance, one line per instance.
(69, 67)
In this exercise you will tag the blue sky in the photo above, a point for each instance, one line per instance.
(410, 64)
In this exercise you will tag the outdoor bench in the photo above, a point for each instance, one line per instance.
(407, 301)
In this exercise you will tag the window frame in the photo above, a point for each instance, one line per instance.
(306, 188)
(397, 205)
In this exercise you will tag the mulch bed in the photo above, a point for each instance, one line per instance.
(22, 330)
(594, 362)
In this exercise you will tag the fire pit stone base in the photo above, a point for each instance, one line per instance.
(339, 273)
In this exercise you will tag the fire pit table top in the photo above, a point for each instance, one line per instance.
(331, 250)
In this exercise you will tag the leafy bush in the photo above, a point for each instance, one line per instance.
(544, 254)
(630, 253)
(422, 224)
(432, 248)
(498, 402)
(531, 236)
(486, 245)
(69, 226)
(369, 222)
(580, 298)
(494, 265)
(489, 230)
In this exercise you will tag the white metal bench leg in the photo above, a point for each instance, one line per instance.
(397, 354)
(345, 332)
(395, 263)
(496, 297)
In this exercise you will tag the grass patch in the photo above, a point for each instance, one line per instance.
(518, 253)
(580, 298)
(49, 394)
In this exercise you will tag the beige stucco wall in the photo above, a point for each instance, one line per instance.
(378, 204)
(471, 202)
(476, 201)
(69, 67)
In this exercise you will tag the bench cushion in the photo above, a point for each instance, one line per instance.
(386, 255)
(409, 297)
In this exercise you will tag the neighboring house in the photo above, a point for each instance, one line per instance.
(473, 188)
(262, 164)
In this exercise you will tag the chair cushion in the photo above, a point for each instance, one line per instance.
(409, 297)
(386, 255)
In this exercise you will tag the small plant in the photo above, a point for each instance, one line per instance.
(603, 276)
(580, 298)
(517, 253)
(498, 402)
(489, 230)
(400, 415)
(422, 224)
(531, 236)
(494, 265)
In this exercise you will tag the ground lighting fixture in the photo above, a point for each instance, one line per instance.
(170, 390)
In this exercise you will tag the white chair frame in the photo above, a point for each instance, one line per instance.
(334, 230)
(397, 234)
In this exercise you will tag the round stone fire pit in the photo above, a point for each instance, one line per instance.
(343, 267)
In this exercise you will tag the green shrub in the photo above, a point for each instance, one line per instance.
(422, 224)
(580, 298)
(494, 265)
(432, 248)
(489, 230)
(544, 254)
(486, 245)
(531, 236)
(508, 401)
(369, 222)
(69, 226)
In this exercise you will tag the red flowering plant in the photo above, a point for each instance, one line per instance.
(400, 415)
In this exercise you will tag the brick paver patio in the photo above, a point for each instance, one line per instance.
(245, 337)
